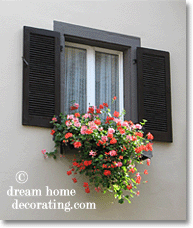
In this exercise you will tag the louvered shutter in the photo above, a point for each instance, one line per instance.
(154, 95)
(41, 76)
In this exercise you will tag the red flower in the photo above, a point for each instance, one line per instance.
(150, 136)
(52, 132)
(104, 166)
(108, 119)
(54, 119)
(116, 114)
(113, 141)
(85, 184)
(89, 131)
(77, 144)
(120, 157)
(110, 135)
(114, 98)
(68, 135)
(87, 163)
(107, 172)
(145, 171)
(106, 105)
(132, 170)
(129, 186)
(97, 122)
(148, 162)
(69, 172)
(139, 149)
(101, 106)
(122, 131)
(75, 163)
(91, 110)
(138, 180)
(74, 106)
(131, 123)
(137, 193)
(87, 190)
(98, 111)
(77, 114)
(133, 138)
(74, 180)
(149, 146)
(140, 134)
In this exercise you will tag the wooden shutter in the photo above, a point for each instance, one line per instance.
(41, 76)
(154, 95)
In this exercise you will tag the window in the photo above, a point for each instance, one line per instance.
(127, 45)
(75, 62)
(92, 76)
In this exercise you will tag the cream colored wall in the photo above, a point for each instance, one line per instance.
(160, 25)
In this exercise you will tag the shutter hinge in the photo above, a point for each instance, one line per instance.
(61, 48)
(134, 61)
(25, 61)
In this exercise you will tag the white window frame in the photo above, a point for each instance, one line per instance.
(90, 72)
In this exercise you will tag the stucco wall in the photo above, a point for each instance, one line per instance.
(160, 25)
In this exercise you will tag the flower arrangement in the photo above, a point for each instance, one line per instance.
(108, 150)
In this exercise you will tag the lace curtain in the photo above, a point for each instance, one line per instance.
(106, 79)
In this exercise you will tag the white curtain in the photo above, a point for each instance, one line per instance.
(107, 80)
(75, 78)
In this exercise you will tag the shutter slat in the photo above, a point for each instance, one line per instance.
(154, 98)
(41, 79)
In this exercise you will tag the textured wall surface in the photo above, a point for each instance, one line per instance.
(160, 25)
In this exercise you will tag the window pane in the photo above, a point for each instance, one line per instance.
(75, 78)
(107, 80)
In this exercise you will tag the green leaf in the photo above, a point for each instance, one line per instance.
(121, 201)
(100, 156)
(124, 168)
(96, 184)
(128, 200)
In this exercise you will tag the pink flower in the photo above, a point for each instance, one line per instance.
(92, 153)
(113, 153)
(111, 131)
(83, 130)
(104, 138)
(68, 123)
(92, 125)
(54, 119)
(86, 116)
(129, 137)
(101, 128)
(125, 124)
(117, 120)
(97, 189)
(77, 124)
(137, 193)
(138, 126)
(70, 117)
(43, 151)
(76, 105)
(75, 119)
(119, 164)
